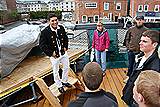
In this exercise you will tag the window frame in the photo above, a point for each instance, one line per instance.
(95, 18)
(118, 4)
(139, 8)
(83, 18)
(90, 3)
(145, 7)
(156, 6)
(106, 3)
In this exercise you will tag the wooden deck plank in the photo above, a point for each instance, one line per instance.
(73, 97)
(67, 98)
(41, 102)
(46, 104)
(117, 82)
(109, 79)
(33, 66)
(107, 86)
(54, 88)
(114, 88)
(120, 78)
(122, 72)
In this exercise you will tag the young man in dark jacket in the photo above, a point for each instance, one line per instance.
(93, 96)
(147, 60)
(132, 40)
(54, 43)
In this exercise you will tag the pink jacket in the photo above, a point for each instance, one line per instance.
(101, 42)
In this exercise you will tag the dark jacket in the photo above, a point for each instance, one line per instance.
(95, 99)
(132, 38)
(48, 42)
(152, 63)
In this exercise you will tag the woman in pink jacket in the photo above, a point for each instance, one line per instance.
(100, 44)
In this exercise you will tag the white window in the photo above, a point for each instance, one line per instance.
(106, 6)
(96, 18)
(91, 5)
(140, 8)
(118, 6)
(84, 18)
(156, 8)
(146, 8)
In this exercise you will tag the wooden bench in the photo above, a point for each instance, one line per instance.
(54, 88)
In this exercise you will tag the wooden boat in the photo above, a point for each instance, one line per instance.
(36, 66)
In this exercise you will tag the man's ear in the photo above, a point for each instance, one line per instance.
(155, 44)
(140, 98)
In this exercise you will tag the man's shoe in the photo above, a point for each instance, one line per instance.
(67, 84)
(61, 90)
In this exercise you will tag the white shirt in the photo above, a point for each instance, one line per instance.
(58, 41)
(143, 60)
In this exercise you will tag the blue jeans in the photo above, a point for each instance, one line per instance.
(101, 59)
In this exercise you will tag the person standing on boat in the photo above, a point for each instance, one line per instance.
(100, 44)
(131, 41)
(93, 96)
(147, 60)
(54, 43)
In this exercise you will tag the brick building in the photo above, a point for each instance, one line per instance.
(94, 10)
(148, 8)
(7, 7)
(11, 5)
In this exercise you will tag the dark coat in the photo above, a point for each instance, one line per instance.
(152, 63)
(95, 99)
(132, 38)
(48, 42)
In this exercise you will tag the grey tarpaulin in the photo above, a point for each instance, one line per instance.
(15, 44)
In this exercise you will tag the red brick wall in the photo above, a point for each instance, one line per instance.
(100, 8)
(151, 4)
(11, 5)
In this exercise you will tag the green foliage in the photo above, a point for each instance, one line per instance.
(14, 15)
(8, 15)
(43, 14)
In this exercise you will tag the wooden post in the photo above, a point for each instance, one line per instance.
(47, 93)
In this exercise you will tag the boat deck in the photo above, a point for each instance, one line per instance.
(112, 82)
(35, 66)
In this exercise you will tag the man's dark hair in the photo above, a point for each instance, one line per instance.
(153, 35)
(50, 15)
(92, 75)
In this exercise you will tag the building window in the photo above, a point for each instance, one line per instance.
(96, 18)
(84, 18)
(91, 5)
(118, 6)
(156, 8)
(106, 6)
(146, 8)
(140, 8)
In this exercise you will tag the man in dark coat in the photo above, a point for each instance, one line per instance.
(93, 96)
(147, 60)
(132, 40)
(54, 43)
